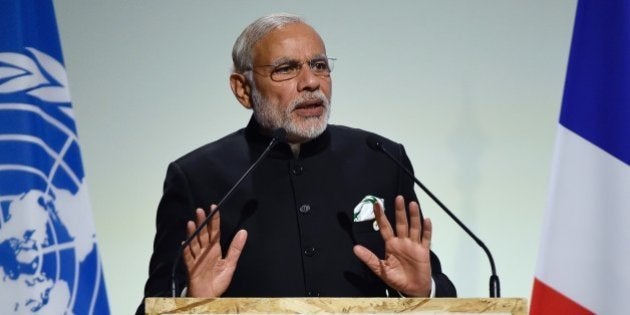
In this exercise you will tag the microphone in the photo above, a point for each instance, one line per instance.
(279, 135)
(376, 143)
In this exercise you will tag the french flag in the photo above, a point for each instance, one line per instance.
(584, 256)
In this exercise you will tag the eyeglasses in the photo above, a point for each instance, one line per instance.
(290, 69)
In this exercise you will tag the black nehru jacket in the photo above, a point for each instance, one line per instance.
(298, 213)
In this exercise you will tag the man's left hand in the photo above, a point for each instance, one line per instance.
(407, 263)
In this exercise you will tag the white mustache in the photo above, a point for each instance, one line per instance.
(309, 97)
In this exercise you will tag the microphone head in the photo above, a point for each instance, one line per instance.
(374, 142)
(280, 135)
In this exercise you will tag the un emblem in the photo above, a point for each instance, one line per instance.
(48, 254)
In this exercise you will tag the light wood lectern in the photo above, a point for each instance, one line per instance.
(515, 306)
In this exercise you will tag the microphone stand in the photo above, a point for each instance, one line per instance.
(495, 286)
(279, 135)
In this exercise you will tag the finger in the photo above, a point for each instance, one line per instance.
(426, 233)
(190, 229)
(214, 227)
(402, 227)
(383, 224)
(414, 217)
(189, 258)
(200, 216)
(236, 247)
(209, 227)
(369, 259)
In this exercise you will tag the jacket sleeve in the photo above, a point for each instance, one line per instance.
(175, 209)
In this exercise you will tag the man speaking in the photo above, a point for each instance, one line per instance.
(313, 218)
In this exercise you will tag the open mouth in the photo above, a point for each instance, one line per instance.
(310, 108)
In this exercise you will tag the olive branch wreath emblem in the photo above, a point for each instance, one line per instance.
(42, 77)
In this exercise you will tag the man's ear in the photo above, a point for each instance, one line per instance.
(241, 89)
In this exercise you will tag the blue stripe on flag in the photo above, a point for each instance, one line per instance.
(29, 23)
(596, 102)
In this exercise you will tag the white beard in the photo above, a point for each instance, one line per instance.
(298, 128)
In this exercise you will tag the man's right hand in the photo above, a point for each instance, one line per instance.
(209, 274)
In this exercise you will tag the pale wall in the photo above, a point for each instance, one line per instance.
(471, 88)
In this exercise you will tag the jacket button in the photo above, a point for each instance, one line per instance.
(297, 170)
(310, 252)
(305, 208)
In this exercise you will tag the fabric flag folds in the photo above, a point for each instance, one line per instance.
(584, 257)
(49, 262)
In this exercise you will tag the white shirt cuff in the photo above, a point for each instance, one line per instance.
(431, 295)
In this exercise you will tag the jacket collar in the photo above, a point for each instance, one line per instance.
(259, 138)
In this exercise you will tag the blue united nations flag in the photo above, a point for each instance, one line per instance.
(49, 262)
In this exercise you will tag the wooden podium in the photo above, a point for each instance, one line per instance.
(515, 306)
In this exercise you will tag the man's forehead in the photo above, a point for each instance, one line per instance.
(288, 59)
(295, 41)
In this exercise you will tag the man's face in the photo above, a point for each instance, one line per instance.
(301, 105)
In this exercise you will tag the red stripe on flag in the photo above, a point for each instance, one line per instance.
(546, 300)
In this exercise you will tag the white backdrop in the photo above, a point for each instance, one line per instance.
(471, 88)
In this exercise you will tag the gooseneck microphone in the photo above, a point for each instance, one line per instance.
(375, 143)
(279, 135)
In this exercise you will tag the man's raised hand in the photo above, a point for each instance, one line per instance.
(209, 274)
(406, 266)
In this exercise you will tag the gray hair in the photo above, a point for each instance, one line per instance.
(244, 45)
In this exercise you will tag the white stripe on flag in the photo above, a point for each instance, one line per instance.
(585, 253)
